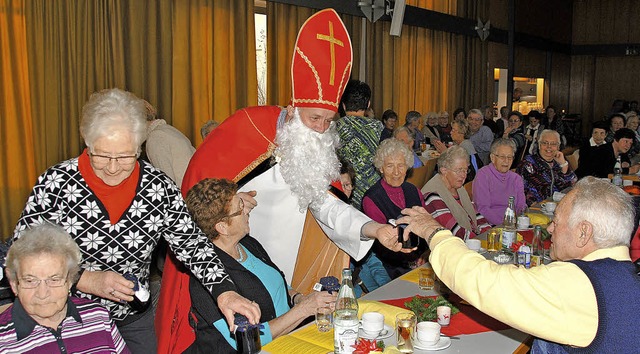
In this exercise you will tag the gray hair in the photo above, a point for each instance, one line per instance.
(207, 127)
(110, 109)
(475, 111)
(44, 239)
(463, 126)
(391, 147)
(549, 132)
(431, 115)
(607, 208)
(503, 142)
(411, 117)
(452, 154)
(401, 129)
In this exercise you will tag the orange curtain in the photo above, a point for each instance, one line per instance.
(56, 53)
(18, 167)
(214, 62)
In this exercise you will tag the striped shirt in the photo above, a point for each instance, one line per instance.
(87, 328)
(439, 210)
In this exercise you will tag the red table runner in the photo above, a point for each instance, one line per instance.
(468, 321)
(527, 235)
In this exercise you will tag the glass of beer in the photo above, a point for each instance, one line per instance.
(493, 240)
(324, 318)
(427, 278)
(405, 328)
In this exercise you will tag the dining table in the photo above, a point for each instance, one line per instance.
(481, 333)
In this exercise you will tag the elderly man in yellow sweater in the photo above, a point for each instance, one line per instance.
(586, 300)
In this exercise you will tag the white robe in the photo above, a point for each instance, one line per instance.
(277, 221)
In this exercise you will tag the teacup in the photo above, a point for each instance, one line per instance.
(523, 222)
(428, 332)
(372, 323)
(549, 207)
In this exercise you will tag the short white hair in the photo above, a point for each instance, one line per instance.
(112, 109)
(451, 155)
(607, 207)
(549, 132)
(391, 147)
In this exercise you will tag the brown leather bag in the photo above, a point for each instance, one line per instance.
(318, 257)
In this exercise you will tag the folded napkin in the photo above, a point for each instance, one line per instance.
(412, 276)
(389, 311)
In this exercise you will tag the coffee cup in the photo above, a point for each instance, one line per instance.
(523, 222)
(428, 332)
(473, 244)
(372, 323)
(549, 207)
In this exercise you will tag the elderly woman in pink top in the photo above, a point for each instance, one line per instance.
(495, 183)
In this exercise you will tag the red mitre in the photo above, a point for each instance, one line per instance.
(321, 64)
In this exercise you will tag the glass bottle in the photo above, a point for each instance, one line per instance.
(509, 224)
(617, 173)
(537, 244)
(345, 319)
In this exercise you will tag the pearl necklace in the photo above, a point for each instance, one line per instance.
(242, 257)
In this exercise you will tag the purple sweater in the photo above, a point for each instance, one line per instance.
(491, 191)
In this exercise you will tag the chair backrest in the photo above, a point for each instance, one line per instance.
(573, 159)
(469, 187)
(418, 175)
(431, 170)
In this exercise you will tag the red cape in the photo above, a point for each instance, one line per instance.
(231, 151)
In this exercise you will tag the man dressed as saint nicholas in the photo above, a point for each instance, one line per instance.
(285, 160)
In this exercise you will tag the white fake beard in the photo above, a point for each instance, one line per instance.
(308, 160)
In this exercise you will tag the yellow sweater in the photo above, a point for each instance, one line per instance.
(555, 302)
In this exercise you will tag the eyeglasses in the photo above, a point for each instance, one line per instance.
(103, 160)
(503, 157)
(459, 171)
(232, 215)
(32, 283)
(514, 120)
(549, 143)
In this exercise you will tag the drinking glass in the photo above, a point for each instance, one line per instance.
(323, 318)
(427, 278)
(405, 328)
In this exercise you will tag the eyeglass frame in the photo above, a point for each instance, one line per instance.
(92, 155)
(503, 157)
(458, 171)
(237, 213)
(63, 280)
(548, 143)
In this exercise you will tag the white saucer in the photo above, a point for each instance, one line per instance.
(481, 250)
(443, 343)
(386, 333)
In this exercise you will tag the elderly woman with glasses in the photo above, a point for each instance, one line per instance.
(515, 132)
(41, 266)
(447, 200)
(117, 209)
(547, 171)
(495, 183)
(220, 213)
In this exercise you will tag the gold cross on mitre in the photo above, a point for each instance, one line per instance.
(332, 40)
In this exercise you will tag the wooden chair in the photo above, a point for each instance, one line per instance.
(431, 170)
(418, 175)
(469, 187)
(573, 159)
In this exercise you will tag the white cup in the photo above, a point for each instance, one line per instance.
(473, 244)
(372, 323)
(626, 182)
(549, 207)
(444, 315)
(523, 222)
(428, 332)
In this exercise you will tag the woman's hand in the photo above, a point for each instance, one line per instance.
(310, 302)
(559, 158)
(107, 284)
(440, 146)
(230, 303)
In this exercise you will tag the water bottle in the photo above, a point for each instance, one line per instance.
(617, 173)
(509, 224)
(345, 318)
(537, 244)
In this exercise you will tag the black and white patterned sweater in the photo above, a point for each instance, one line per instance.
(62, 196)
